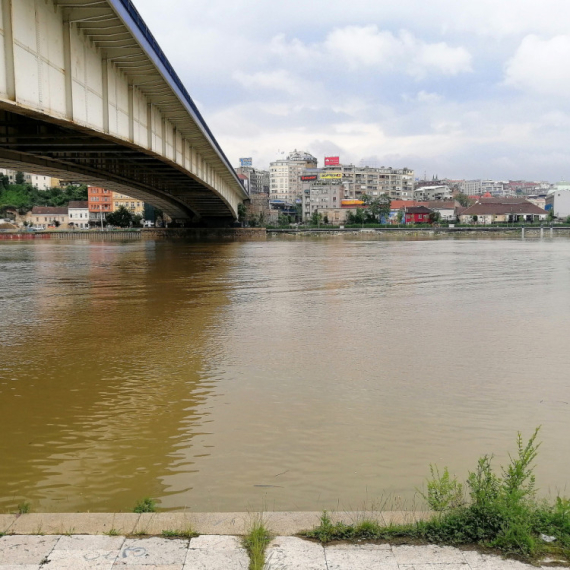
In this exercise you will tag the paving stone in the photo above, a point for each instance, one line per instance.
(435, 567)
(6, 521)
(25, 549)
(429, 554)
(155, 523)
(75, 523)
(360, 557)
(150, 567)
(90, 542)
(220, 523)
(199, 559)
(290, 553)
(157, 551)
(215, 542)
(20, 567)
(478, 561)
(81, 559)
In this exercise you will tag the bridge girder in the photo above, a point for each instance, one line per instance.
(98, 102)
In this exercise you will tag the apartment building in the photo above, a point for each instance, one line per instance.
(285, 176)
(100, 201)
(40, 181)
(257, 180)
(398, 183)
(134, 205)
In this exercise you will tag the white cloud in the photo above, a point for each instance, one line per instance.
(542, 66)
(278, 80)
(368, 47)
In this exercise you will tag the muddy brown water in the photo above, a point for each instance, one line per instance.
(288, 374)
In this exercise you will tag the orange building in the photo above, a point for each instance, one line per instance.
(100, 203)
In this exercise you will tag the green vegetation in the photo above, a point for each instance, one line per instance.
(24, 508)
(187, 533)
(121, 217)
(113, 532)
(255, 542)
(146, 505)
(23, 197)
(501, 511)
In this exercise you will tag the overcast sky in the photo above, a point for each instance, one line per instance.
(458, 88)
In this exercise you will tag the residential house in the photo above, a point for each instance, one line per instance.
(48, 216)
(495, 210)
(417, 214)
(78, 214)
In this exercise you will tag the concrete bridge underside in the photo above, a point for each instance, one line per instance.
(87, 95)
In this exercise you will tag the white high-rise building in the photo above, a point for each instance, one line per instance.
(285, 176)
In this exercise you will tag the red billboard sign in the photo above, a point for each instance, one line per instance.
(312, 177)
(332, 160)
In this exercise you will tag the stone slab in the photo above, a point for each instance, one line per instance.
(75, 523)
(90, 542)
(360, 557)
(216, 542)
(435, 567)
(199, 559)
(6, 521)
(81, 559)
(26, 549)
(287, 552)
(428, 554)
(157, 551)
(20, 567)
(152, 567)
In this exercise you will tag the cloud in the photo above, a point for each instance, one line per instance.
(541, 65)
(369, 48)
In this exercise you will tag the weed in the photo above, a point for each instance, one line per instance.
(443, 491)
(188, 533)
(503, 512)
(24, 508)
(113, 532)
(255, 542)
(146, 505)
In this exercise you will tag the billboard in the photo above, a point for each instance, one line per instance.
(335, 175)
(245, 161)
(332, 160)
(311, 177)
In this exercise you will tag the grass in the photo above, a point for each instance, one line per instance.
(146, 505)
(255, 542)
(113, 532)
(24, 508)
(499, 511)
(187, 533)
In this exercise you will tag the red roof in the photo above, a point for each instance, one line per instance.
(48, 210)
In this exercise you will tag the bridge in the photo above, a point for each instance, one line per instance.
(86, 94)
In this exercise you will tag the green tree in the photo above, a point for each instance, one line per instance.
(137, 221)
(316, 218)
(377, 207)
(434, 217)
(120, 217)
(242, 212)
(464, 200)
(283, 220)
(20, 177)
(400, 216)
(551, 215)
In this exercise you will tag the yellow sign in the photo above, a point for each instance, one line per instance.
(331, 175)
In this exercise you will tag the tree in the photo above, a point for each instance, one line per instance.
(242, 212)
(316, 218)
(20, 177)
(434, 217)
(377, 207)
(464, 200)
(137, 221)
(400, 216)
(551, 215)
(326, 219)
(120, 217)
(283, 220)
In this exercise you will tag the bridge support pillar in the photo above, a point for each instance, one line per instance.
(9, 49)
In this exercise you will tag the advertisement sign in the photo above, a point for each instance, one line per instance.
(245, 161)
(332, 160)
(312, 177)
(335, 175)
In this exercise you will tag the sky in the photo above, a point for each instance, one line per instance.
(454, 88)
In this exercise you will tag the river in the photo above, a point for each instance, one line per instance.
(287, 374)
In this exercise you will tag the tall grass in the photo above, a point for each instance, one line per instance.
(255, 542)
(499, 511)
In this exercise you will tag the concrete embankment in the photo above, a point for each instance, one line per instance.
(150, 233)
(282, 523)
(530, 231)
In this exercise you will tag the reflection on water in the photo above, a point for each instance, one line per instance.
(297, 374)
